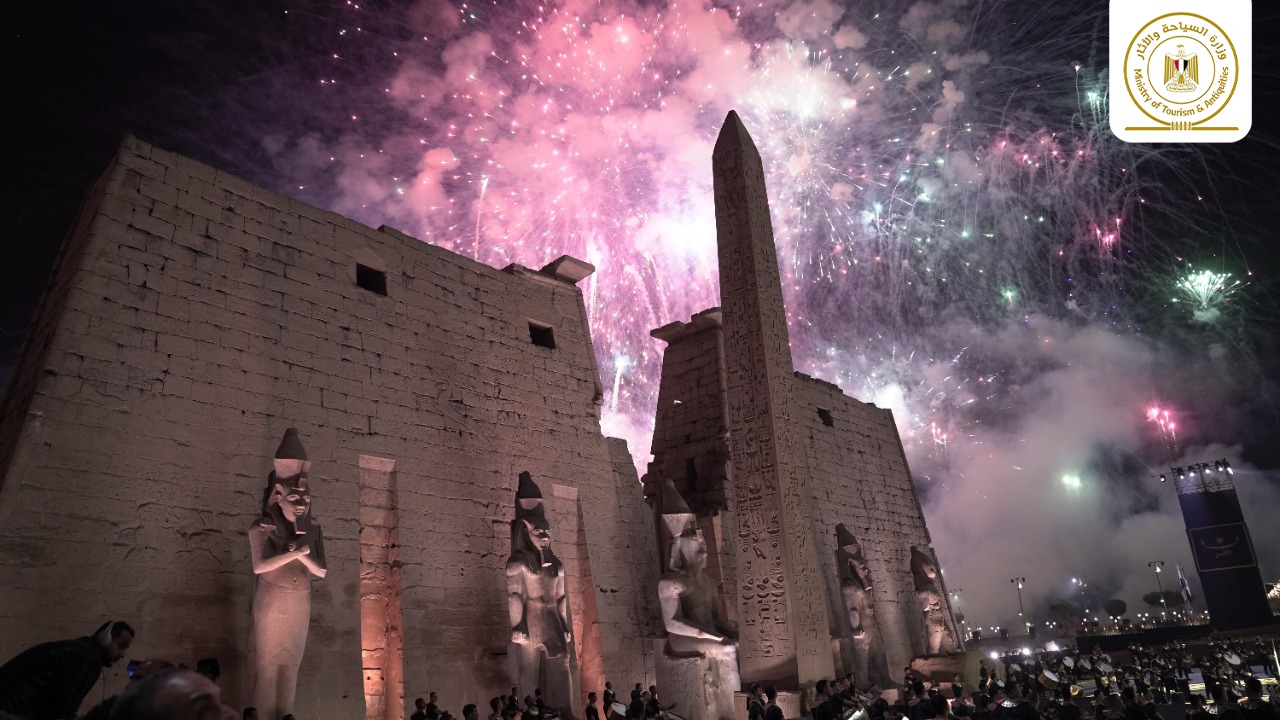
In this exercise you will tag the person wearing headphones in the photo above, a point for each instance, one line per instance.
(49, 681)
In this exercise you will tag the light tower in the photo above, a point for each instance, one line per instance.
(1158, 564)
(1220, 545)
(1018, 581)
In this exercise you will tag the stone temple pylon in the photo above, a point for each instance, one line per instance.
(783, 624)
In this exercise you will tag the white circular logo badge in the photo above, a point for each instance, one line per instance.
(1181, 69)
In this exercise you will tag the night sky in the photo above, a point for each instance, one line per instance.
(237, 84)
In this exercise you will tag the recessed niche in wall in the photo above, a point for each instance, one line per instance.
(542, 335)
(372, 280)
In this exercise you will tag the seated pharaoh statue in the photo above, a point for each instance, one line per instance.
(699, 668)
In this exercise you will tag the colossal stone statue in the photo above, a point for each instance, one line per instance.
(870, 664)
(698, 670)
(287, 549)
(938, 634)
(539, 606)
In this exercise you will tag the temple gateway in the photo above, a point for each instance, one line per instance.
(217, 372)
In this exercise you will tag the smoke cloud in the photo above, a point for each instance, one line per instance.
(1055, 485)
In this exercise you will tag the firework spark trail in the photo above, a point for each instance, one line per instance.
(1206, 291)
(1168, 431)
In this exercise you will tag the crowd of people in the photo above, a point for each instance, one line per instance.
(1165, 672)
(50, 682)
(1069, 685)
(1135, 685)
(643, 704)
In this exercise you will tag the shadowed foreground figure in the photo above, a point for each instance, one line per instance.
(172, 695)
(49, 681)
(287, 549)
(145, 669)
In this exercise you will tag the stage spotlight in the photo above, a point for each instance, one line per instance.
(1163, 478)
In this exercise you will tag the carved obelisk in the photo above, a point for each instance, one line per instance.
(784, 636)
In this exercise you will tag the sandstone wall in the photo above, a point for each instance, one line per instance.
(858, 476)
(627, 577)
(193, 318)
(689, 441)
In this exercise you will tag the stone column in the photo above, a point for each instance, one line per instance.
(783, 627)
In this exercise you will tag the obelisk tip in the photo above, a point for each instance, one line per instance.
(733, 134)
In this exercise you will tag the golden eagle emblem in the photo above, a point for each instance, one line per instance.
(1181, 71)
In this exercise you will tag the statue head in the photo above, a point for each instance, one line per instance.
(530, 531)
(689, 554)
(853, 607)
(292, 497)
(923, 567)
(851, 565)
(687, 551)
(287, 497)
(539, 535)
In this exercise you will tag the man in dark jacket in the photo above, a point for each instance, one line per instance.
(878, 705)
(1014, 707)
(755, 703)
(49, 681)
(771, 709)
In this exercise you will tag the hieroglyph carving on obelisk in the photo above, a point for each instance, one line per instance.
(783, 629)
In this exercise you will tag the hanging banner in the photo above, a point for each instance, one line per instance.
(1221, 547)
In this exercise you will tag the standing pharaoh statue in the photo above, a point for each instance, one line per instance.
(539, 606)
(870, 664)
(287, 549)
(938, 634)
(698, 670)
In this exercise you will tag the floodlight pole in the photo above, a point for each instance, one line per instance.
(1157, 564)
(1018, 581)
